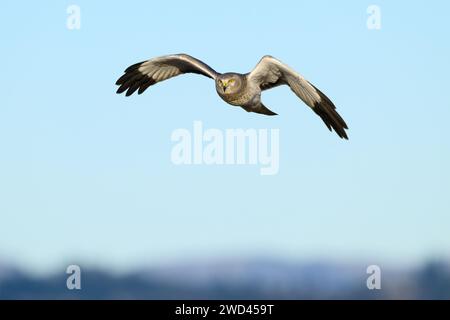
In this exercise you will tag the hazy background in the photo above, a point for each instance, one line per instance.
(86, 176)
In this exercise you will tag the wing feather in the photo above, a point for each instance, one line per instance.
(140, 76)
(270, 73)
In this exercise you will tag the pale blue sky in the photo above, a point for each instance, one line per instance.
(86, 176)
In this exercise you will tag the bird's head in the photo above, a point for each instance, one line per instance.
(228, 83)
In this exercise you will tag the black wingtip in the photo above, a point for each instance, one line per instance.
(331, 118)
(326, 110)
(133, 80)
(120, 90)
(134, 67)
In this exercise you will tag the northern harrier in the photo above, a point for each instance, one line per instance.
(243, 90)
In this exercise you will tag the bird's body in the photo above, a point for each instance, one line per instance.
(236, 94)
(243, 90)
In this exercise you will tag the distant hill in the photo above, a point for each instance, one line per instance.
(249, 279)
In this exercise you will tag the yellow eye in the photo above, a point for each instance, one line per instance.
(232, 81)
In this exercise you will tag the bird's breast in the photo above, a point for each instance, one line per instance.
(238, 98)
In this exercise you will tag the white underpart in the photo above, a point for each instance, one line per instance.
(270, 70)
(158, 72)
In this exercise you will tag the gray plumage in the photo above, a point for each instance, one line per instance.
(243, 90)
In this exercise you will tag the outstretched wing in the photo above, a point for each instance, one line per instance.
(270, 73)
(144, 74)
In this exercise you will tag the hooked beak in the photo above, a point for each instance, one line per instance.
(224, 86)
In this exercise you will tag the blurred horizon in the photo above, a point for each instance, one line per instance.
(199, 259)
(234, 279)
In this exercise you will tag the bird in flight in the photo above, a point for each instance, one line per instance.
(243, 90)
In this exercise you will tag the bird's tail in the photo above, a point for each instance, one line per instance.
(260, 108)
